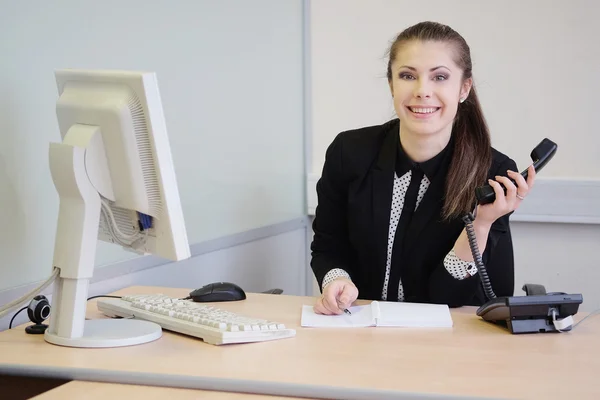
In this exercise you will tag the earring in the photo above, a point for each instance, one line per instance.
(462, 99)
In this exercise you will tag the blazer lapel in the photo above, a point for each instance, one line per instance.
(383, 185)
(430, 206)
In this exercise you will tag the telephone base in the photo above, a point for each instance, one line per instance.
(530, 314)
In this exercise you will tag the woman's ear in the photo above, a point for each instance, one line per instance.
(466, 88)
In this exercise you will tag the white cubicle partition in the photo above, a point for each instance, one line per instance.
(230, 76)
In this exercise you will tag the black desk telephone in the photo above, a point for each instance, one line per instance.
(537, 311)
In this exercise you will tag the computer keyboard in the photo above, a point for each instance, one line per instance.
(211, 324)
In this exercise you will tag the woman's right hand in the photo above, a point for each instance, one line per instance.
(338, 295)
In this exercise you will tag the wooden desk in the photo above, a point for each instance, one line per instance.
(474, 358)
(103, 391)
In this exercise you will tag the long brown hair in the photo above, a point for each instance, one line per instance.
(472, 145)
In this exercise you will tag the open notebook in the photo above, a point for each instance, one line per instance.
(382, 313)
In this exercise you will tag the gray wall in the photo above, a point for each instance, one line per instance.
(230, 75)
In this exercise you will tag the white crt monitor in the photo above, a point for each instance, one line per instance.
(116, 182)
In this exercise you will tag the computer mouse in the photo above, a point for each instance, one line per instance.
(218, 291)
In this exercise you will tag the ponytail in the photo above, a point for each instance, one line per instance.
(472, 158)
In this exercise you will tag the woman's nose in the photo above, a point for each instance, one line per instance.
(422, 90)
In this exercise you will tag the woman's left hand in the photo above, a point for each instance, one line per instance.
(515, 194)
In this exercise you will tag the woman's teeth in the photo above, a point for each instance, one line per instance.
(423, 110)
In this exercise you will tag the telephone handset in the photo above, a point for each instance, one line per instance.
(540, 156)
(537, 311)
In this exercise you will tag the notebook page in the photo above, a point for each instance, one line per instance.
(361, 317)
(414, 315)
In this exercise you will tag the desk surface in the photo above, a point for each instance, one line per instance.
(474, 358)
(103, 391)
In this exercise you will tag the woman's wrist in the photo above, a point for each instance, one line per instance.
(462, 248)
(482, 228)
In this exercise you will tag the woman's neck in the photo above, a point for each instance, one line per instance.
(421, 148)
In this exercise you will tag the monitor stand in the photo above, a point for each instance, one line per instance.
(78, 183)
(109, 333)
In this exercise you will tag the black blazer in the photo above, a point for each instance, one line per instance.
(352, 221)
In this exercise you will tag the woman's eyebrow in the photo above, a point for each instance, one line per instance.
(431, 70)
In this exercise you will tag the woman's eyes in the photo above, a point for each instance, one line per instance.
(407, 76)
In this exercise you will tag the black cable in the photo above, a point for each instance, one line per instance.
(13, 318)
(89, 298)
(485, 279)
(104, 295)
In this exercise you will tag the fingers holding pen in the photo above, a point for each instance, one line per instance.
(337, 297)
(331, 304)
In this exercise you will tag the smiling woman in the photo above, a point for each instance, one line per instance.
(430, 66)
(390, 199)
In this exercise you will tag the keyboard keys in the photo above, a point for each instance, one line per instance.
(209, 323)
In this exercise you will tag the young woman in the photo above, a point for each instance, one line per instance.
(391, 197)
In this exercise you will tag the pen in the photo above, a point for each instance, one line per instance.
(344, 309)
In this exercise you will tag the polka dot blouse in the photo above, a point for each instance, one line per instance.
(458, 268)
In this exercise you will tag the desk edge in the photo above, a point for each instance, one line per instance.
(215, 384)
